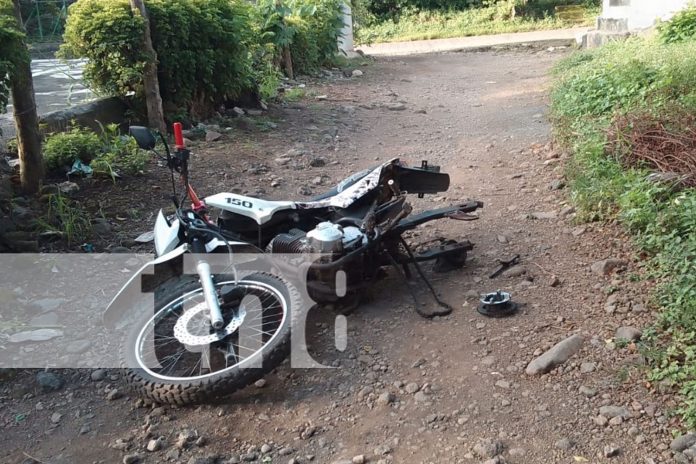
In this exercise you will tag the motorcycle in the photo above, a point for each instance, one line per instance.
(193, 346)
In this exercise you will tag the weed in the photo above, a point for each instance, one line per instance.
(67, 217)
(294, 95)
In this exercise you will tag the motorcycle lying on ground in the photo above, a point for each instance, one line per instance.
(358, 228)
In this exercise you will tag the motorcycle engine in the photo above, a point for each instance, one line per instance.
(327, 238)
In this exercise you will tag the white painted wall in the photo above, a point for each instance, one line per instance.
(643, 13)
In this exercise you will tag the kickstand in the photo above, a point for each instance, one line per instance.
(446, 309)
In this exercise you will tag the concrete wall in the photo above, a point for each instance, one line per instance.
(641, 14)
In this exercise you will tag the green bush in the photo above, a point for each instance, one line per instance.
(62, 149)
(592, 89)
(201, 45)
(107, 153)
(680, 28)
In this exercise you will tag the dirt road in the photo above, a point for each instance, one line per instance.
(407, 390)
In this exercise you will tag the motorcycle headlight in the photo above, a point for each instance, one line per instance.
(166, 234)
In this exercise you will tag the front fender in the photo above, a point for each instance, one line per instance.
(132, 291)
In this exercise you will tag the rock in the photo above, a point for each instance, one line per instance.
(131, 459)
(612, 411)
(68, 188)
(543, 215)
(238, 111)
(304, 190)
(48, 381)
(286, 451)
(517, 452)
(486, 449)
(359, 459)
(382, 450)
(114, 394)
(587, 367)
(317, 162)
(587, 391)
(412, 388)
(155, 445)
(56, 417)
(212, 136)
(515, 271)
(683, 442)
(98, 375)
(39, 335)
(628, 333)
(248, 457)
(607, 266)
(266, 448)
(504, 384)
(396, 107)
(421, 397)
(357, 73)
(556, 356)
(385, 399)
(42, 320)
(564, 444)
(46, 305)
(557, 185)
(260, 383)
(101, 227)
(611, 451)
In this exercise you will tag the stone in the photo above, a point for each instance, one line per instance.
(56, 417)
(587, 367)
(607, 266)
(358, 459)
(421, 397)
(260, 383)
(114, 394)
(544, 215)
(612, 411)
(46, 305)
(48, 381)
(486, 449)
(385, 399)
(101, 227)
(382, 450)
(556, 356)
(396, 107)
(42, 320)
(357, 73)
(504, 384)
(611, 451)
(565, 444)
(98, 375)
(683, 442)
(412, 388)
(212, 136)
(238, 111)
(39, 335)
(628, 333)
(154, 445)
(587, 391)
(131, 459)
(68, 188)
(266, 448)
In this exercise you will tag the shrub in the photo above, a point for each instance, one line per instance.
(201, 45)
(107, 153)
(62, 149)
(680, 28)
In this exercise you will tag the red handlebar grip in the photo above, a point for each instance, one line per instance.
(178, 135)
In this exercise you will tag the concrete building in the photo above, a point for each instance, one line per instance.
(620, 18)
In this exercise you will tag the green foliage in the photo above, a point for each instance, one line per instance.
(413, 23)
(309, 28)
(107, 153)
(680, 28)
(293, 95)
(201, 46)
(62, 149)
(67, 217)
(12, 49)
(638, 76)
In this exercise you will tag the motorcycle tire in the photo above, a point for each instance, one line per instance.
(153, 385)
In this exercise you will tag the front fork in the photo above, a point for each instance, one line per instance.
(206, 277)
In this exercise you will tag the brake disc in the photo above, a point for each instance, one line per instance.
(191, 330)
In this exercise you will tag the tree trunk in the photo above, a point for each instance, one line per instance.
(31, 167)
(287, 62)
(153, 99)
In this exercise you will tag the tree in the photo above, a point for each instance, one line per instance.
(153, 98)
(31, 165)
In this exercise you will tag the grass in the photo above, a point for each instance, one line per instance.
(593, 89)
(423, 25)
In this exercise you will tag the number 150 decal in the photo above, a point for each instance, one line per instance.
(240, 202)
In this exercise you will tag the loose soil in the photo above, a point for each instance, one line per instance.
(482, 117)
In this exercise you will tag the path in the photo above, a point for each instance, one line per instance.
(407, 390)
(552, 37)
(57, 85)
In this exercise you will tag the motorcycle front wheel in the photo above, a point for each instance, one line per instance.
(175, 357)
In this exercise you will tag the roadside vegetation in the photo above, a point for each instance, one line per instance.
(404, 20)
(627, 112)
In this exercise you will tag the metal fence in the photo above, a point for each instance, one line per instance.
(44, 20)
